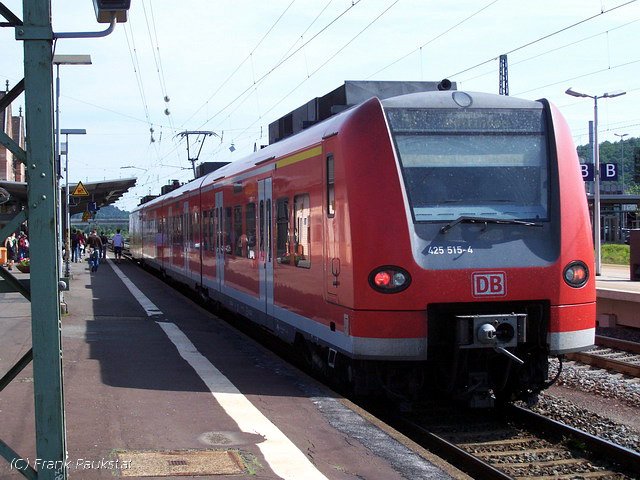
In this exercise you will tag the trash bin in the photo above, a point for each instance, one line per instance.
(634, 254)
(3, 255)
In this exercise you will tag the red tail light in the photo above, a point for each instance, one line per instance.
(389, 279)
(576, 274)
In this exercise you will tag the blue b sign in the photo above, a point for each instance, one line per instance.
(587, 171)
(608, 172)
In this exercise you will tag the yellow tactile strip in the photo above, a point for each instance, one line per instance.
(179, 463)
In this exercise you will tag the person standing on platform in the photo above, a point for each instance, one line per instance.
(118, 243)
(95, 244)
(103, 252)
(82, 242)
(11, 244)
(23, 246)
(75, 247)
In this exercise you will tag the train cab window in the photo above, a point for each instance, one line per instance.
(250, 222)
(484, 162)
(282, 231)
(331, 194)
(302, 231)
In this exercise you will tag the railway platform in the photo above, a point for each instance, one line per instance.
(157, 387)
(618, 297)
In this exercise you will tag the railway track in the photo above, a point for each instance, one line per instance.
(611, 354)
(517, 444)
(513, 444)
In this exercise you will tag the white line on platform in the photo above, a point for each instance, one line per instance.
(284, 458)
(142, 299)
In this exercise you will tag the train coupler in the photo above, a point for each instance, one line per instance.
(498, 332)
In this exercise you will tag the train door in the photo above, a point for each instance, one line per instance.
(265, 255)
(220, 243)
(170, 239)
(187, 237)
(332, 231)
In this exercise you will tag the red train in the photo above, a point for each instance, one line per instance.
(437, 239)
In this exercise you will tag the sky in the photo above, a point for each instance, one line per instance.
(231, 67)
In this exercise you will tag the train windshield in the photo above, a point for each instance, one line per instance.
(483, 162)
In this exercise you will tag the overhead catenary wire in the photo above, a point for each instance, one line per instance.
(301, 36)
(544, 37)
(552, 50)
(133, 53)
(157, 58)
(248, 57)
(449, 30)
(136, 69)
(594, 72)
(155, 49)
(281, 62)
(334, 55)
(470, 68)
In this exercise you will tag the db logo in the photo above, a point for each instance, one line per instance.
(489, 283)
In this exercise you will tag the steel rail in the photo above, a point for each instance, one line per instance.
(605, 361)
(618, 343)
(628, 459)
(470, 464)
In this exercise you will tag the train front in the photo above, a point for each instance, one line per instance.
(501, 238)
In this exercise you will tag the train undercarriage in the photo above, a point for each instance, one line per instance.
(477, 359)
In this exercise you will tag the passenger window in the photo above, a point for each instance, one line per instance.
(302, 231)
(238, 239)
(282, 231)
(226, 234)
(250, 221)
(205, 230)
(212, 230)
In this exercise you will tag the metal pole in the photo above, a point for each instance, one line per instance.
(67, 238)
(596, 193)
(622, 205)
(622, 160)
(58, 164)
(42, 187)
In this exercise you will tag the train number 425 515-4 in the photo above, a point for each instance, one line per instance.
(449, 250)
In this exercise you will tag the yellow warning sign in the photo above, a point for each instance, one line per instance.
(86, 216)
(80, 191)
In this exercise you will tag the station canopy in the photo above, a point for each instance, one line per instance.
(102, 193)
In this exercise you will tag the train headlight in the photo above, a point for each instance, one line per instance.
(576, 274)
(389, 279)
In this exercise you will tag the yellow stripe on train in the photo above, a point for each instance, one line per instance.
(299, 157)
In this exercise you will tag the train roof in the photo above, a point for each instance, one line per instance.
(458, 99)
(286, 146)
(315, 133)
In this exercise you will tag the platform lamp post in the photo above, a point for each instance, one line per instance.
(596, 170)
(67, 238)
(624, 213)
(621, 137)
(57, 61)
